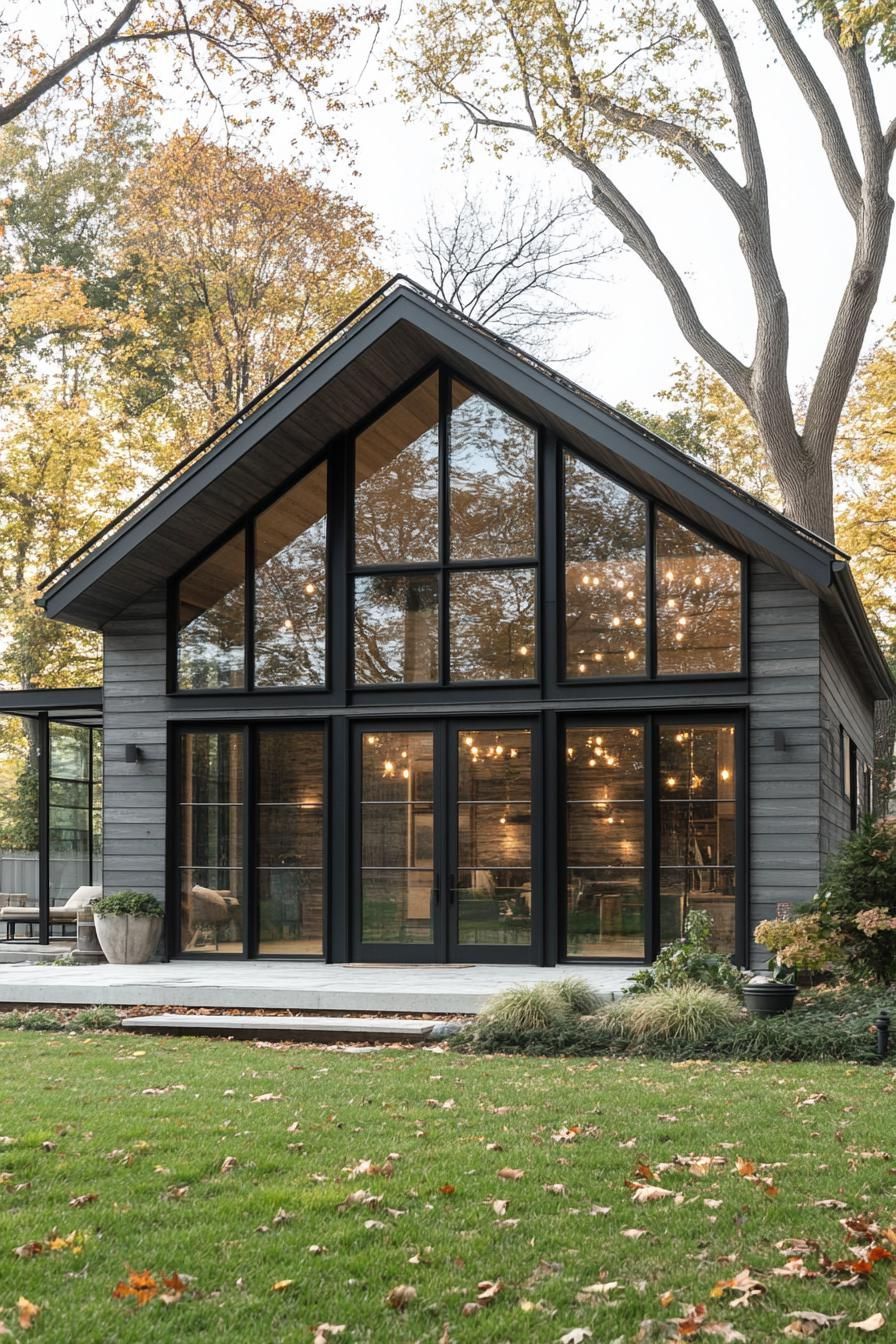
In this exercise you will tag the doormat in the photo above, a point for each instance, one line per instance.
(407, 966)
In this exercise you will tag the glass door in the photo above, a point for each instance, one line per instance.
(491, 889)
(397, 866)
(443, 839)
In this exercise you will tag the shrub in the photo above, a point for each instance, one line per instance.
(94, 1019)
(525, 1008)
(802, 942)
(826, 1024)
(858, 897)
(577, 994)
(688, 1012)
(689, 960)
(127, 903)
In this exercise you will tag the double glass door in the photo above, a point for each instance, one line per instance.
(444, 862)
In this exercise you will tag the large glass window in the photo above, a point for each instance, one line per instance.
(211, 642)
(698, 828)
(606, 566)
(396, 629)
(397, 482)
(492, 615)
(492, 480)
(605, 841)
(698, 611)
(397, 838)
(291, 586)
(290, 829)
(494, 837)
(487, 513)
(210, 841)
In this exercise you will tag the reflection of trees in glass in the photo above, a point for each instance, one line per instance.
(397, 482)
(290, 587)
(18, 784)
(492, 477)
(606, 531)
(698, 602)
(396, 629)
(492, 616)
(212, 609)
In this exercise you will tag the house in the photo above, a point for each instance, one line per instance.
(432, 656)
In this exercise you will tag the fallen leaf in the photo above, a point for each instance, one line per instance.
(28, 1313)
(281, 1285)
(869, 1325)
(228, 1165)
(487, 1291)
(398, 1297)
(587, 1295)
(80, 1200)
(326, 1331)
(577, 1335)
(554, 1189)
(634, 1232)
(499, 1207)
(511, 1174)
(448, 1105)
(643, 1194)
(813, 1099)
(804, 1324)
(447, 1189)
(269, 1096)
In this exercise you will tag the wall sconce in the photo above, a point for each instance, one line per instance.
(133, 753)
(780, 740)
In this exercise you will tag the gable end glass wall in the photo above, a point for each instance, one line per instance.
(438, 607)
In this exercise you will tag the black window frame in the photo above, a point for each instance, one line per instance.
(444, 566)
(650, 721)
(550, 680)
(653, 506)
(248, 730)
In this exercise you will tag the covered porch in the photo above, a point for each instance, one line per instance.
(288, 986)
(50, 812)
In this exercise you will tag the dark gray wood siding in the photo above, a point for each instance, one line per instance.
(134, 712)
(784, 821)
(844, 703)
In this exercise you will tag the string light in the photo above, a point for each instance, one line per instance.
(725, 774)
(524, 649)
(310, 588)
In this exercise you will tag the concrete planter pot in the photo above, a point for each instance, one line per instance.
(128, 940)
(768, 998)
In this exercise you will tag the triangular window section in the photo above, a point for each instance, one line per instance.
(698, 603)
(606, 575)
(211, 612)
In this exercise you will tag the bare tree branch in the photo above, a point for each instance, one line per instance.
(53, 78)
(510, 267)
(818, 100)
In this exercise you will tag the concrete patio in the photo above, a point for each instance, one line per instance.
(288, 986)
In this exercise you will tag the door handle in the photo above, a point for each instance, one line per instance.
(436, 894)
(451, 889)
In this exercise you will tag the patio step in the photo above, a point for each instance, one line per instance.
(30, 954)
(320, 1029)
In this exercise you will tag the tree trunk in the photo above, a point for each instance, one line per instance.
(804, 474)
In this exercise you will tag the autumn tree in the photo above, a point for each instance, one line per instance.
(226, 56)
(707, 420)
(592, 85)
(239, 266)
(514, 265)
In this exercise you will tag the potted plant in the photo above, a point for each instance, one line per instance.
(767, 995)
(128, 924)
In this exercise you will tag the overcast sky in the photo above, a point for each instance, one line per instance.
(633, 348)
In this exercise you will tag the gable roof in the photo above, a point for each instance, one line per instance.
(389, 340)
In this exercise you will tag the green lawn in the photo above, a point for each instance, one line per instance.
(81, 1123)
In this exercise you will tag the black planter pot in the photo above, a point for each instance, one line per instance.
(769, 999)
